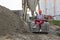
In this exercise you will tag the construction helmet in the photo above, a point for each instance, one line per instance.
(40, 11)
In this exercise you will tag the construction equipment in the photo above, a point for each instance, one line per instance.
(45, 27)
(31, 4)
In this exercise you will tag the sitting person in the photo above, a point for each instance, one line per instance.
(40, 19)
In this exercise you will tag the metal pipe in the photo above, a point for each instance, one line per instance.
(24, 4)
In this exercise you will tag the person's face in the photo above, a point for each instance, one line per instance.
(39, 12)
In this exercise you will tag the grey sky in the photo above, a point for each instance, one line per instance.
(12, 4)
(17, 5)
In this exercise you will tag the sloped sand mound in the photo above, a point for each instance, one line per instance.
(9, 22)
(13, 24)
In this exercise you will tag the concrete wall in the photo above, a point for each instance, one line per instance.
(49, 8)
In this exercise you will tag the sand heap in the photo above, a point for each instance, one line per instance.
(10, 22)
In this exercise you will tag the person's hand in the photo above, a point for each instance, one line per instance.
(37, 18)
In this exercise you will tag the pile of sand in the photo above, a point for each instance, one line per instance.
(10, 22)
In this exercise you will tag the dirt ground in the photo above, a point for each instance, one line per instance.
(30, 37)
(12, 27)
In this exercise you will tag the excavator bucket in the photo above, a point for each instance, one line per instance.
(45, 28)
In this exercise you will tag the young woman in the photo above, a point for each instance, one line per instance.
(40, 19)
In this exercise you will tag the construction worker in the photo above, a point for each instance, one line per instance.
(40, 19)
